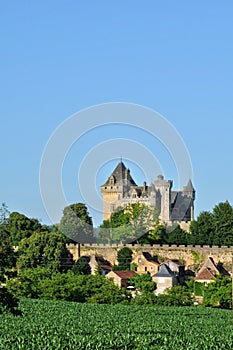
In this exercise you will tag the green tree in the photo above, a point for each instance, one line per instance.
(76, 223)
(219, 293)
(81, 267)
(128, 224)
(143, 283)
(124, 258)
(176, 296)
(46, 249)
(223, 224)
(202, 229)
(20, 226)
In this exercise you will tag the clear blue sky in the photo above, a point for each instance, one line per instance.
(58, 57)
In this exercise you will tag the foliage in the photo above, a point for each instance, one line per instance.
(214, 228)
(129, 223)
(219, 293)
(7, 256)
(176, 296)
(76, 223)
(8, 302)
(20, 226)
(42, 284)
(4, 212)
(46, 249)
(49, 324)
(143, 283)
(81, 267)
(124, 258)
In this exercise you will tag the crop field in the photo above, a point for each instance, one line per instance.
(67, 325)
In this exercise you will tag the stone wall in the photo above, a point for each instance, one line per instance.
(190, 255)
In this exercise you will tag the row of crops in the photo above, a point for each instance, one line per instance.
(67, 325)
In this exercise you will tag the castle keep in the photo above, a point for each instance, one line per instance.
(173, 206)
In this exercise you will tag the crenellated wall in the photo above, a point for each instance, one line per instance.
(189, 254)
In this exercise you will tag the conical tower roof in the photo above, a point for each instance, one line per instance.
(121, 174)
(189, 187)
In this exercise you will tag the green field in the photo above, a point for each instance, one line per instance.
(67, 325)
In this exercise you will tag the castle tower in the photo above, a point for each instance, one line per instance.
(163, 188)
(189, 192)
(115, 188)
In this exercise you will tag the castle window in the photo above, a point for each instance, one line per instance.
(111, 180)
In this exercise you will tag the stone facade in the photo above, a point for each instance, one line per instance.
(173, 206)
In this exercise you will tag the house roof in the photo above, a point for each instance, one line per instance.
(205, 274)
(125, 274)
(149, 258)
(164, 271)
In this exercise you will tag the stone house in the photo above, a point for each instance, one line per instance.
(207, 272)
(120, 278)
(143, 262)
(178, 269)
(164, 278)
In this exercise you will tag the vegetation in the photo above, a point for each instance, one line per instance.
(124, 258)
(129, 223)
(46, 249)
(62, 325)
(77, 224)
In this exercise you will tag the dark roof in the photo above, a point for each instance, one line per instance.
(164, 271)
(149, 258)
(189, 187)
(120, 174)
(125, 274)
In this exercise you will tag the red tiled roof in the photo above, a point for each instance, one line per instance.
(205, 274)
(125, 274)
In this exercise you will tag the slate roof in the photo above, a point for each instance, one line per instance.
(164, 271)
(119, 174)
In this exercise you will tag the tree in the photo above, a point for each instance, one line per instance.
(76, 223)
(223, 224)
(129, 223)
(46, 249)
(124, 258)
(7, 256)
(176, 296)
(4, 212)
(219, 293)
(81, 267)
(143, 283)
(202, 229)
(20, 226)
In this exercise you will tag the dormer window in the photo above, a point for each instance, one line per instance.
(111, 180)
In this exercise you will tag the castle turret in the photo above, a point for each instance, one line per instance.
(115, 188)
(189, 192)
(163, 187)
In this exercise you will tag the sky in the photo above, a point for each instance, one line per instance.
(61, 57)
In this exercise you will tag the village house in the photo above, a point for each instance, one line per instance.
(144, 263)
(208, 272)
(164, 278)
(120, 278)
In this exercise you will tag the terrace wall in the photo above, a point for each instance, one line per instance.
(189, 254)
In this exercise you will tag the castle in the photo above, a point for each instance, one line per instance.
(173, 206)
